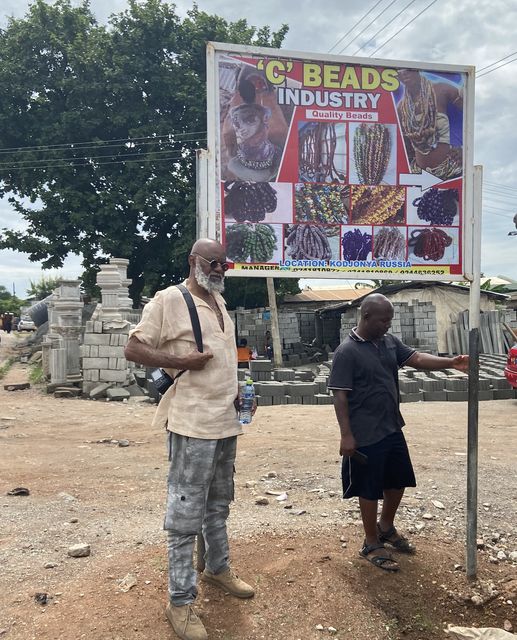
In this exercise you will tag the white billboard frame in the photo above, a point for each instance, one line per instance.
(214, 146)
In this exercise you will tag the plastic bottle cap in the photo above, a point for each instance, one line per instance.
(249, 381)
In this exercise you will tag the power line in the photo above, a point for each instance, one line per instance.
(93, 143)
(496, 62)
(355, 25)
(499, 186)
(97, 147)
(495, 68)
(385, 26)
(97, 164)
(368, 25)
(405, 26)
(88, 158)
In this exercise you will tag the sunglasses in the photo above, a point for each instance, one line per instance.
(214, 263)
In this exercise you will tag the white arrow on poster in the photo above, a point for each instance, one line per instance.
(423, 180)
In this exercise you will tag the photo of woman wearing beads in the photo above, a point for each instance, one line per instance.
(254, 127)
(430, 110)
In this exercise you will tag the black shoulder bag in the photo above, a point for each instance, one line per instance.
(159, 377)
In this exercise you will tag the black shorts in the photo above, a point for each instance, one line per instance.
(388, 467)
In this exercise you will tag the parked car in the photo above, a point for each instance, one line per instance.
(26, 324)
(510, 371)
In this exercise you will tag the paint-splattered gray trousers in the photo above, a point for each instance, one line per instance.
(200, 489)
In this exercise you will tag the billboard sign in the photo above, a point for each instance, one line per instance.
(324, 166)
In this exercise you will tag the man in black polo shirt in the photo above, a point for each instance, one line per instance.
(376, 463)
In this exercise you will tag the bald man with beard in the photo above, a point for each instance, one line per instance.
(200, 413)
(376, 463)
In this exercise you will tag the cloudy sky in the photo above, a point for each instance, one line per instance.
(465, 32)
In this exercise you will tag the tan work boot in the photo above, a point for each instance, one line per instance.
(185, 622)
(229, 582)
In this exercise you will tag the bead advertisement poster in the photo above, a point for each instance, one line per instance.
(323, 166)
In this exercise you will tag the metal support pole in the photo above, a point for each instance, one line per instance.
(275, 329)
(473, 397)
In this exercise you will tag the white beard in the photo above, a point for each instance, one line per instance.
(206, 283)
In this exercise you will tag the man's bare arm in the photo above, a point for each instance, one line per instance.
(347, 445)
(137, 351)
(429, 362)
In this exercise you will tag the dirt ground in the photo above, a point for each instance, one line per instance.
(300, 554)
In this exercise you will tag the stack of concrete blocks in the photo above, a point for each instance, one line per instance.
(252, 324)
(414, 324)
(105, 369)
(61, 344)
(452, 385)
(306, 326)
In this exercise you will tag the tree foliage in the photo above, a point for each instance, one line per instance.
(9, 303)
(43, 287)
(139, 83)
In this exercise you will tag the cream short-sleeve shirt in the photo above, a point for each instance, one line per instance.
(200, 404)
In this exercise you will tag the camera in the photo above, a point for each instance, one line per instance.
(161, 380)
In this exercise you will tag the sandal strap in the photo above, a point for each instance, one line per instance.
(368, 548)
(387, 534)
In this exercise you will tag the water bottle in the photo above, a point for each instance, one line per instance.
(247, 401)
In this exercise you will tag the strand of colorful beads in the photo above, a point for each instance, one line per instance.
(372, 149)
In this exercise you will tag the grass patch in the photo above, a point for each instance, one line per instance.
(36, 375)
(4, 368)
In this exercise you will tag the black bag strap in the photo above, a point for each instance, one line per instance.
(194, 318)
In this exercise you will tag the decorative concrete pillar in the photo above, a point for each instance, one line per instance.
(68, 325)
(109, 281)
(125, 303)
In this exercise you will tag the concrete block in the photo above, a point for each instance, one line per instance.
(323, 398)
(456, 396)
(308, 400)
(301, 388)
(116, 393)
(91, 375)
(88, 327)
(503, 394)
(84, 351)
(99, 391)
(305, 376)
(112, 363)
(430, 385)
(456, 384)
(264, 401)
(279, 400)
(486, 394)
(273, 389)
(96, 338)
(412, 397)
(284, 374)
(435, 396)
(95, 363)
(111, 351)
(409, 387)
(94, 351)
(109, 375)
(97, 326)
(261, 366)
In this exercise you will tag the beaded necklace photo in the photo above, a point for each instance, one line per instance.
(317, 153)
(372, 150)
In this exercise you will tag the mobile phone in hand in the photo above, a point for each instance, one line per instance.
(359, 457)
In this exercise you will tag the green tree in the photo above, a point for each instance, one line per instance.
(8, 302)
(138, 82)
(252, 292)
(43, 287)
